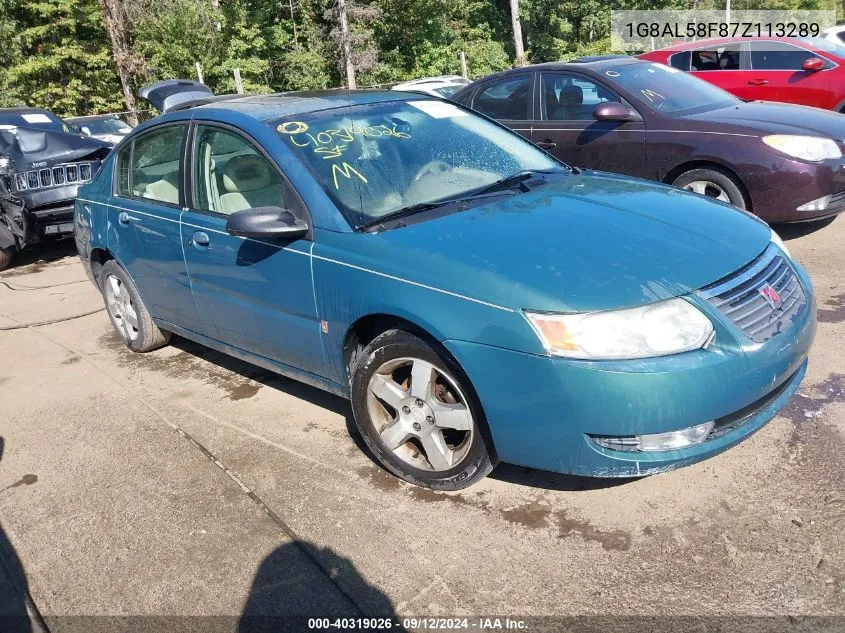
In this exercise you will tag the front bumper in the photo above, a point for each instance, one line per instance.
(777, 194)
(542, 411)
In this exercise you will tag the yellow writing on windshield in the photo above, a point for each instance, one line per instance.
(346, 170)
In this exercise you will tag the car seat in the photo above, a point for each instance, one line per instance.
(571, 101)
(249, 183)
(163, 190)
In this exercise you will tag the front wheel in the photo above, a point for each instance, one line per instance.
(418, 414)
(713, 183)
(5, 257)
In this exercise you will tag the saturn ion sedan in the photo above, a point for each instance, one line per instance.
(476, 299)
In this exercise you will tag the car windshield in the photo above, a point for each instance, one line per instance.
(104, 126)
(824, 45)
(378, 159)
(668, 90)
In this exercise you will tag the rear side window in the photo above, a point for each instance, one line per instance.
(508, 98)
(149, 167)
(718, 58)
(680, 60)
(777, 56)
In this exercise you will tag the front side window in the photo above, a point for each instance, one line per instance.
(568, 97)
(717, 58)
(778, 56)
(376, 159)
(231, 175)
(152, 161)
(508, 99)
(668, 90)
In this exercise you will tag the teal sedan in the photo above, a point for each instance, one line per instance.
(476, 299)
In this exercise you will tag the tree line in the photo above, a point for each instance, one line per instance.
(79, 57)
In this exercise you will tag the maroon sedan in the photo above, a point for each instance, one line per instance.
(802, 70)
(782, 162)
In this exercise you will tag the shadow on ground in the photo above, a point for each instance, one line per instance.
(34, 259)
(300, 580)
(800, 229)
(504, 472)
(14, 588)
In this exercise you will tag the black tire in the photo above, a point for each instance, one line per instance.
(718, 177)
(6, 257)
(147, 335)
(475, 460)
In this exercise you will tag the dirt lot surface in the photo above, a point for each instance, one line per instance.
(183, 482)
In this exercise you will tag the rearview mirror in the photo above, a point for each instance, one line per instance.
(614, 111)
(812, 64)
(266, 222)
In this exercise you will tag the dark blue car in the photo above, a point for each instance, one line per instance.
(476, 299)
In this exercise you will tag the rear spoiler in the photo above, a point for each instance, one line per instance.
(168, 94)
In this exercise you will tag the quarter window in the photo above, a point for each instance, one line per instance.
(508, 99)
(778, 56)
(231, 175)
(567, 97)
(149, 167)
(681, 61)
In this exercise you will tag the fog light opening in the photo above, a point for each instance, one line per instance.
(819, 204)
(675, 439)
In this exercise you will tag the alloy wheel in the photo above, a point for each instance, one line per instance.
(420, 414)
(709, 189)
(121, 308)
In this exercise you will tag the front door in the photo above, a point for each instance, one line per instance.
(776, 74)
(258, 294)
(723, 65)
(144, 231)
(568, 130)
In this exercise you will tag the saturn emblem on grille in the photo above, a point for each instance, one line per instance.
(770, 295)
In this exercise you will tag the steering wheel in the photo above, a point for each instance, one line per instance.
(432, 167)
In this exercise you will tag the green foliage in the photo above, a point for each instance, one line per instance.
(57, 53)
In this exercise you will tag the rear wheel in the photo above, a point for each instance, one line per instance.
(127, 311)
(5, 257)
(713, 183)
(417, 413)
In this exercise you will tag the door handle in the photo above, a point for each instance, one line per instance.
(757, 82)
(200, 238)
(126, 219)
(546, 144)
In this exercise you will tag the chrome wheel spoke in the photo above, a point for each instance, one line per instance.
(394, 435)
(439, 455)
(451, 416)
(422, 375)
(131, 316)
(698, 186)
(386, 389)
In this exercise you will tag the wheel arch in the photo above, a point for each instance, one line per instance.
(682, 168)
(98, 258)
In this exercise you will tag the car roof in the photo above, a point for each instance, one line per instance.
(597, 62)
(92, 117)
(273, 106)
(718, 41)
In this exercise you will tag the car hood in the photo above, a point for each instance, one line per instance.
(587, 242)
(767, 117)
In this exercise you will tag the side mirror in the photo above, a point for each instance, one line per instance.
(812, 64)
(266, 222)
(614, 111)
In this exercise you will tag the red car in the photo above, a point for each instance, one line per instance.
(803, 70)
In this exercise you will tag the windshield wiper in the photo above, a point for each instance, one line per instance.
(520, 177)
(419, 207)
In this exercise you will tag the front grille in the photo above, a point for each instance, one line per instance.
(740, 297)
(55, 176)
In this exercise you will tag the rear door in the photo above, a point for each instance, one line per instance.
(509, 100)
(723, 65)
(258, 294)
(567, 129)
(777, 75)
(144, 231)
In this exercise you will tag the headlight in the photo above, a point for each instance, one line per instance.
(779, 243)
(668, 327)
(812, 148)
